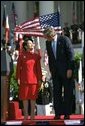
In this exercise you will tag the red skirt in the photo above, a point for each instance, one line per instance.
(29, 91)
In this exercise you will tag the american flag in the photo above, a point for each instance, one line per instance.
(7, 30)
(4, 16)
(5, 24)
(36, 26)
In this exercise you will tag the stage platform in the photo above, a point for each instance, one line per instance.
(47, 120)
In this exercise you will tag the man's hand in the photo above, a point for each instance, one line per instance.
(69, 73)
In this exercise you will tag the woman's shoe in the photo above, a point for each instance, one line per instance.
(32, 117)
(25, 117)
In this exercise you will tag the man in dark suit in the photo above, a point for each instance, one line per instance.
(61, 65)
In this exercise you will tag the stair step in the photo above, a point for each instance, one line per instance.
(14, 104)
(14, 111)
(19, 114)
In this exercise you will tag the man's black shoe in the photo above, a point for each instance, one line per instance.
(67, 117)
(57, 117)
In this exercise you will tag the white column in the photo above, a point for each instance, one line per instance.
(79, 34)
(21, 10)
(82, 39)
(46, 7)
(80, 72)
(30, 9)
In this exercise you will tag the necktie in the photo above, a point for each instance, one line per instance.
(54, 48)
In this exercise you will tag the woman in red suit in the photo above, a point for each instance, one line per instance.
(29, 76)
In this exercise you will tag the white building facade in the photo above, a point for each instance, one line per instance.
(26, 10)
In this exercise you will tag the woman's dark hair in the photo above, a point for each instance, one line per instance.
(25, 43)
(24, 46)
(26, 38)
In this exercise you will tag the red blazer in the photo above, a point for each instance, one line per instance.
(29, 68)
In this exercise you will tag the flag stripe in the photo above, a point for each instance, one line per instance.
(31, 22)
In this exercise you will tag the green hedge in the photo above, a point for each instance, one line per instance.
(77, 57)
(14, 84)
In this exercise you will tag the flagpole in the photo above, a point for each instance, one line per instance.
(38, 42)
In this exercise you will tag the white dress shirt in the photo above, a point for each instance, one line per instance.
(54, 42)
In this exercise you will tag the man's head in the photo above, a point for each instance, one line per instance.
(49, 33)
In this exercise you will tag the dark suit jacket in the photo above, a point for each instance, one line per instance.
(64, 56)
